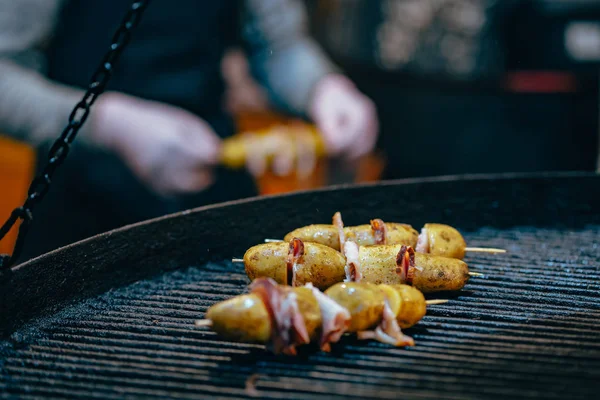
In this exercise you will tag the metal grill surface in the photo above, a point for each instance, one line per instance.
(529, 328)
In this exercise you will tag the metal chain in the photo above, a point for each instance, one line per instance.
(59, 151)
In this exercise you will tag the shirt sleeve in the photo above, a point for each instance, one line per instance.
(32, 108)
(282, 56)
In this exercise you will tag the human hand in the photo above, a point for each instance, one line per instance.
(346, 118)
(169, 149)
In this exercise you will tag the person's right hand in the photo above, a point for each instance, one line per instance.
(167, 148)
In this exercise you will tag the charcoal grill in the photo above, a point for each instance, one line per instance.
(113, 316)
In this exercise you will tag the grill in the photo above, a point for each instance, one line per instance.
(112, 317)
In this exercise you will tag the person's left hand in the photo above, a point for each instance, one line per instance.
(346, 118)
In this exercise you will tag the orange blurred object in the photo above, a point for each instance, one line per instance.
(17, 164)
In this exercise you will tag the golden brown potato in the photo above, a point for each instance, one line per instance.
(241, 319)
(395, 234)
(442, 240)
(320, 265)
(435, 273)
(406, 302)
(412, 306)
(362, 234)
(319, 233)
(432, 273)
(309, 308)
(378, 264)
(267, 260)
(364, 302)
(392, 296)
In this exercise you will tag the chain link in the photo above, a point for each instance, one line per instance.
(60, 149)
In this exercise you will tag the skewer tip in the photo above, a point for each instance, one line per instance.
(477, 274)
(273, 240)
(434, 302)
(485, 250)
(202, 323)
(237, 260)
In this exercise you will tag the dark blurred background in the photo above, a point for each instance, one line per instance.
(473, 86)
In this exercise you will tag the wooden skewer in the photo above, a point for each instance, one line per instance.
(207, 323)
(201, 323)
(241, 260)
(490, 250)
(434, 302)
(484, 250)
(476, 274)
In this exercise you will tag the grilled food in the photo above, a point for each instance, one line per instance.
(435, 239)
(396, 264)
(285, 317)
(270, 141)
(335, 235)
(363, 235)
(441, 240)
(295, 264)
(298, 263)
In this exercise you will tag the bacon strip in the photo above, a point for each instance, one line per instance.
(423, 245)
(289, 327)
(339, 224)
(379, 231)
(405, 264)
(295, 254)
(388, 331)
(335, 319)
(349, 250)
(352, 267)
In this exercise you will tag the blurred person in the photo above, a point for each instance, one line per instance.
(151, 145)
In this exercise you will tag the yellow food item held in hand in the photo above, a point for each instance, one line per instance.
(270, 141)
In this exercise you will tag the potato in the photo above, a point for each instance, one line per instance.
(378, 264)
(442, 240)
(432, 273)
(326, 235)
(412, 306)
(435, 273)
(392, 296)
(241, 319)
(395, 234)
(309, 308)
(320, 265)
(364, 302)
(362, 234)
